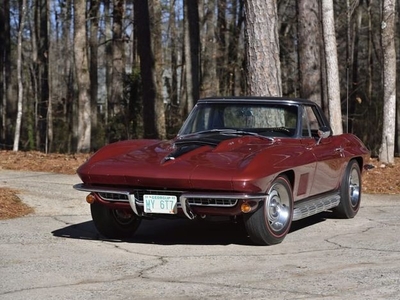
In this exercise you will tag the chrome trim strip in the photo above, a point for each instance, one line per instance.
(84, 188)
(132, 202)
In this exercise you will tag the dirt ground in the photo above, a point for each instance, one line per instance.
(378, 180)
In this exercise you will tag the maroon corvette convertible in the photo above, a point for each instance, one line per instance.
(269, 161)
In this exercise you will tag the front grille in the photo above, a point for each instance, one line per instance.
(191, 200)
(113, 197)
(213, 201)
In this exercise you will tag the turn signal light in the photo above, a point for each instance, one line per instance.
(90, 198)
(245, 207)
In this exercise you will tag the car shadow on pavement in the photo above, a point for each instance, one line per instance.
(168, 232)
(180, 231)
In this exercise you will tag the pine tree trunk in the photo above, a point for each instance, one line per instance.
(386, 151)
(19, 75)
(332, 68)
(262, 53)
(82, 76)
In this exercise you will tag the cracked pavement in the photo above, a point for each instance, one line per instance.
(56, 253)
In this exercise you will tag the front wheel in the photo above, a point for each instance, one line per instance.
(350, 192)
(271, 222)
(114, 223)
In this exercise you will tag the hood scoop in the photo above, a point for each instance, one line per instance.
(188, 144)
(181, 150)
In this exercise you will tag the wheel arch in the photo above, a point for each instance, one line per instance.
(360, 162)
(289, 174)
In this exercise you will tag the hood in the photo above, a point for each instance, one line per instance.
(188, 162)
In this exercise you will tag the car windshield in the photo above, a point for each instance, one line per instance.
(274, 120)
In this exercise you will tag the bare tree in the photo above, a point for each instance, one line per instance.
(386, 151)
(108, 57)
(82, 76)
(142, 19)
(191, 52)
(118, 59)
(332, 71)
(229, 52)
(235, 58)
(5, 70)
(353, 54)
(42, 73)
(308, 28)
(19, 72)
(262, 48)
(209, 82)
(93, 62)
(156, 42)
(8, 101)
(222, 50)
(67, 69)
(173, 34)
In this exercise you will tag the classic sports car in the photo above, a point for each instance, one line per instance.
(269, 161)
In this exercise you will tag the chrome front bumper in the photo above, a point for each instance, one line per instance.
(185, 199)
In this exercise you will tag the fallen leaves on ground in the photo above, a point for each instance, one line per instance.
(378, 180)
(382, 179)
(41, 162)
(11, 206)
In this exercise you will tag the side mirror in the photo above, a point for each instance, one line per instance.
(323, 133)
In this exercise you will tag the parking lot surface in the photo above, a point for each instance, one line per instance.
(56, 253)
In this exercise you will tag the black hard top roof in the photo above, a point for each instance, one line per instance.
(257, 99)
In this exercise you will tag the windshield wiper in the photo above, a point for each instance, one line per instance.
(233, 131)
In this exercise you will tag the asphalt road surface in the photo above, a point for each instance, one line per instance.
(56, 253)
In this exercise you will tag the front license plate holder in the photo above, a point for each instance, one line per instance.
(160, 204)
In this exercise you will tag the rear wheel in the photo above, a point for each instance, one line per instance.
(350, 192)
(271, 222)
(114, 223)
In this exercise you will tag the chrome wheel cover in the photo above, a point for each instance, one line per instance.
(277, 207)
(354, 187)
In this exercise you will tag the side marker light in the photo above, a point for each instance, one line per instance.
(90, 198)
(245, 207)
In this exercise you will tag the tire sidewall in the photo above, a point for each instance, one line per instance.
(345, 208)
(282, 233)
(107, 224)
(257, 224)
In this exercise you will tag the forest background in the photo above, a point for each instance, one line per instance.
(76, 75)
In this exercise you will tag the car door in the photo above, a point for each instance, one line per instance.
(328, 152)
